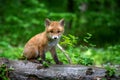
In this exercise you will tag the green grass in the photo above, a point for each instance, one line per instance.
(11, 52)
(78, 55)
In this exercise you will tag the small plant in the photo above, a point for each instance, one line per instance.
(39, 59)
(45, 64)
(3, 72)
(68, 40)
(85, 61)
(87, 38)
(110, 71)
(22, 57)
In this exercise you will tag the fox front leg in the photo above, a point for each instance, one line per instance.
(54, 55)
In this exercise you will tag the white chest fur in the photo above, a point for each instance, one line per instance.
(52, 44)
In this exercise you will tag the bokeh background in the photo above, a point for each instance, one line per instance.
(95, 24)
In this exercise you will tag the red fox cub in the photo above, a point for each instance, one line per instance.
(45, 41)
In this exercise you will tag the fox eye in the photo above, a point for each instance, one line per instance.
(51, 31)
(58, 31)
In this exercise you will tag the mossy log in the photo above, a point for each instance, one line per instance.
(23, 70)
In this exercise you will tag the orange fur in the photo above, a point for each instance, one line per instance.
(45, 41)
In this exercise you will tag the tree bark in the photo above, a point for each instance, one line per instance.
(25, 70)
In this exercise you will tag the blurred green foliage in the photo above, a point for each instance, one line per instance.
(94, 22)
(21, 19)
(78, 55)
(110, 71)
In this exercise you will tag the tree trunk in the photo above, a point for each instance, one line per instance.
(25, 70)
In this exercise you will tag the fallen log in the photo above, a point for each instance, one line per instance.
(23, 70)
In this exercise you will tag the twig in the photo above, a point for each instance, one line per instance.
(65, 53)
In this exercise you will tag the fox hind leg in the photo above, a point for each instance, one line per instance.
(31, 53)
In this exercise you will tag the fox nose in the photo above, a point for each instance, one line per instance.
(55, 37)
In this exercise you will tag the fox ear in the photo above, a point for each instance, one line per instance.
(62, 22)
(47, 22)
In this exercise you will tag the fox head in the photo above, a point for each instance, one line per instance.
(54, 29)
